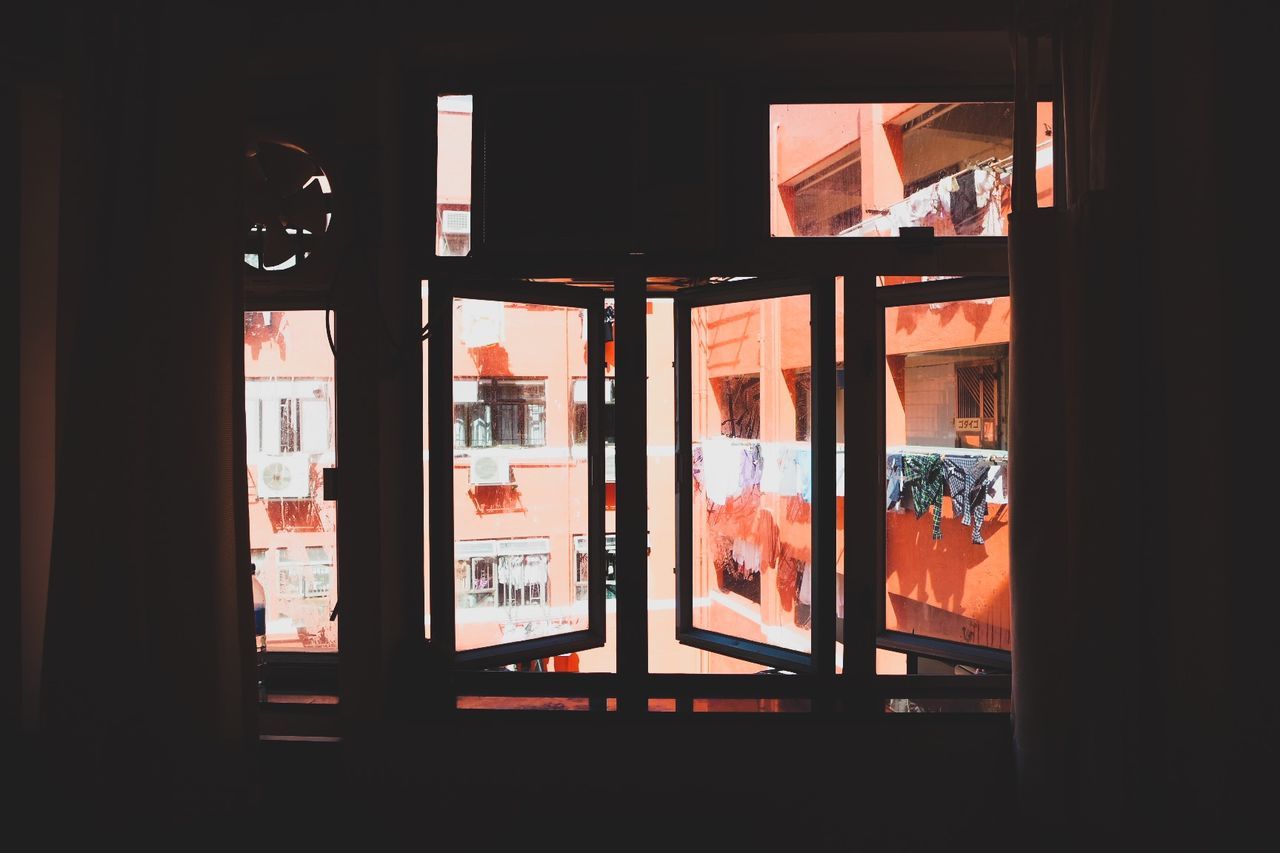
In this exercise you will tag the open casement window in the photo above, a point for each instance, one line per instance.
(944, 535)
(755, 509)
(290, 439)
(504, 476)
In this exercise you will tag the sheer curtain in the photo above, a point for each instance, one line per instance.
(146, 699)
(1115, 305)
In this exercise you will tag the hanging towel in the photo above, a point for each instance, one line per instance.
(721, 471)
(926, 477)
(893, 481)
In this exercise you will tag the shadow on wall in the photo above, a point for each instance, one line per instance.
(974, 312)
(491, 360)
(943, 562)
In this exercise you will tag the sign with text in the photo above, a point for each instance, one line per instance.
(968, 424)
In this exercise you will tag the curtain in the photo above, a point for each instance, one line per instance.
(147, 706)
(1118, 580)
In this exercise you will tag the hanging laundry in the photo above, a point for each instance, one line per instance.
(997, 483)
(747, 555)
(967, 480)
(964, 201)
(993, 222)
(925, 475)
(893, 481)
(804, 474)
(788, 481)
(481, 322)
(752, 467)
(721, 471)
(764, 533)
(535, 569)
(770, 468)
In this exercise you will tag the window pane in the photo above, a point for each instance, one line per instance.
(520, 493)
(867, 170)
(947, 504)
(289, 426)
(453, 175)
(751, 496)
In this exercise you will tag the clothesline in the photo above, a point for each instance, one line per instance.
(917, 481)
(947, 451)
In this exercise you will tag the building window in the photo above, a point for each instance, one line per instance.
(954, 398)
(581, 567)
(475, 582)
(453, 175)
(500, 413)
(868, 170)
(287, 416)
(738, 398)
(608, 415)
(502, 572)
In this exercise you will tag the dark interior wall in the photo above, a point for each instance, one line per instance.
(939, 771)
(37, 340)
(10, 219)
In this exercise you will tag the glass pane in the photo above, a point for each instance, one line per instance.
(289, 425)
(453, 175)
(520, 492)
(947, 503)
(666, 653)
(751, 470)
(867, 170)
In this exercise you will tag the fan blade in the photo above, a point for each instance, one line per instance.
(306, 209)
(277, 246)
(287, 169)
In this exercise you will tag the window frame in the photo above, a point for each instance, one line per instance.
(440, 438)
(897, 296)
(821, 296)
(746, 247)
(298, 670)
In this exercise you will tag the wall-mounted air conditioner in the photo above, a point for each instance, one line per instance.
(455, 222)
(490, 469)
(285, 476)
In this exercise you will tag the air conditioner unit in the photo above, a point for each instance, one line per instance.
(610, 464)
(455, 222)
(285, 477)
(490, 469)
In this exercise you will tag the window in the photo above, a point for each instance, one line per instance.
(582, 567)
(753, 567)
(947, 509)
(453, 175)
(503, 573)
(760, 521)
(499, 413)
(517, 496)
(289, 432)
(580, 411)
(868, 170)
(738, 402)
(290, 416)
